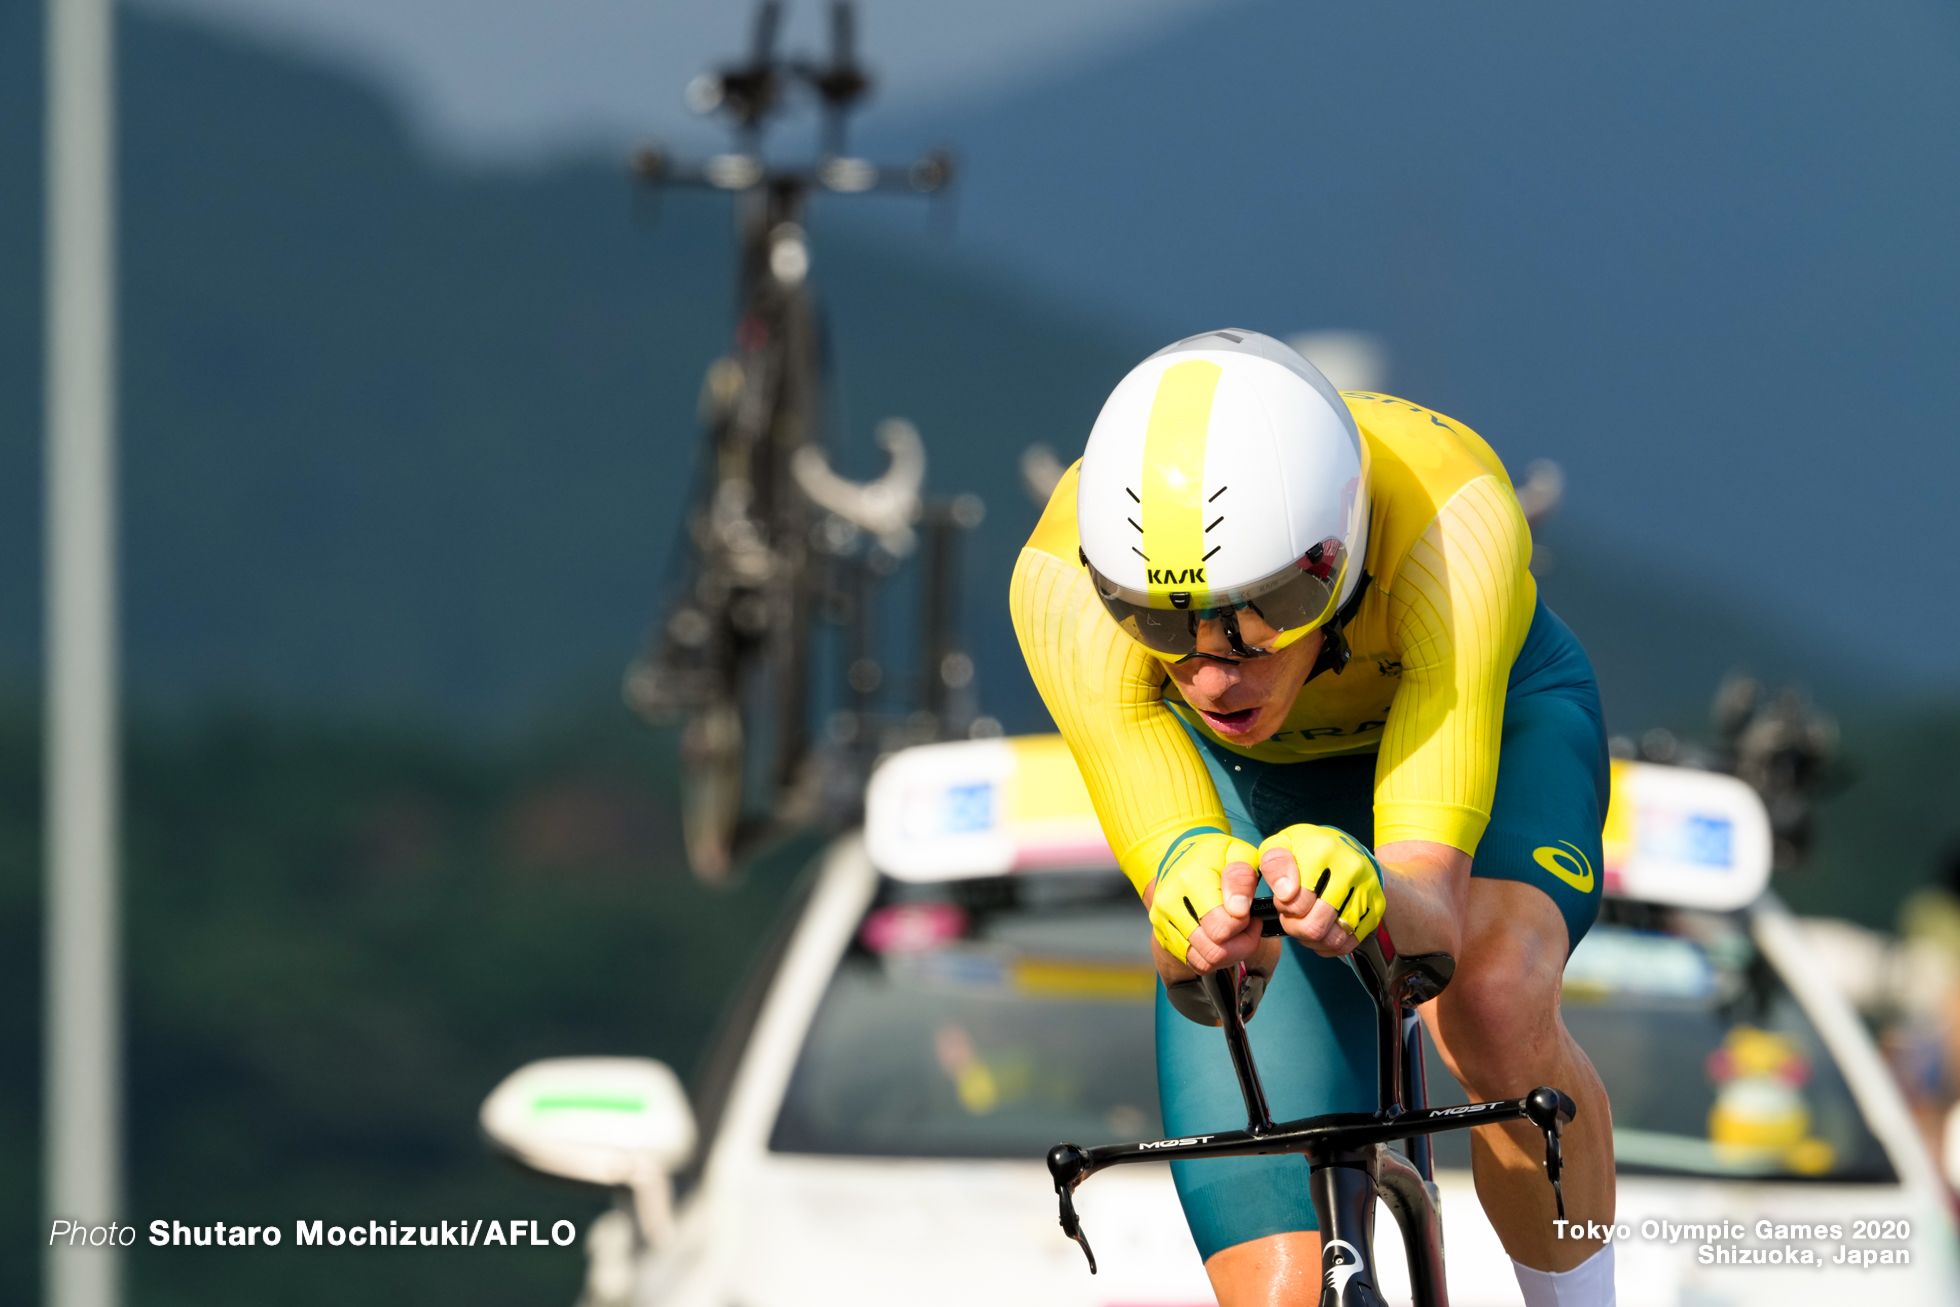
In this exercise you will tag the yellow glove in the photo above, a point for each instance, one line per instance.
(1337, 868)
(1188, 883)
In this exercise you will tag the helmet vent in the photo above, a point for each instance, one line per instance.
(1221, 518)
(1229, 336)
(1214, 494)
(1133, 494)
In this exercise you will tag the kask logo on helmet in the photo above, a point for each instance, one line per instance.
(1176, 576)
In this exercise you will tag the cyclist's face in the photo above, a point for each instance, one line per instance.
(1247, 700)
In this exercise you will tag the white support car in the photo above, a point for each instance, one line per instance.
(969, 982)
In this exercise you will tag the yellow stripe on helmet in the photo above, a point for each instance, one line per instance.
(1172, 511)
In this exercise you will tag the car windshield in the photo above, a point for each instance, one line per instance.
(983, 1019)
(1711, 1065)
(992, 1018)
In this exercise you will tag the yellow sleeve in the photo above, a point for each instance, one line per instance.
(1461, 606)
(1145, 777)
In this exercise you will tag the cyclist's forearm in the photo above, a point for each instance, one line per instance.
(1144, 776)
(1427, 886)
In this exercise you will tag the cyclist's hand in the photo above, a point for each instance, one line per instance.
(1327, 886)
(1201, 902)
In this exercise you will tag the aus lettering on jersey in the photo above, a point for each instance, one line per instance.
(1320, 732)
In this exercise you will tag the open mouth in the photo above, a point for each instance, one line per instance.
(1232, 723)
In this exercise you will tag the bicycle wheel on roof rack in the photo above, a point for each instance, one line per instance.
(743, 747)
(731, 660)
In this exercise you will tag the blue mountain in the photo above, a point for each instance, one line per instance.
(404, 438)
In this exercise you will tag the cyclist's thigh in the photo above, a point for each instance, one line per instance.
(1550, 803)
(1314, 1040)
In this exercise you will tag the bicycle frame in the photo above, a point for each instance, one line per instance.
(1347, 1152)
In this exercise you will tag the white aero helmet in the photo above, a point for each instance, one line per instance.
(1224, 473)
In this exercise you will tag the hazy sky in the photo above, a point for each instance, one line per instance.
(1700, 255)
(510, 79)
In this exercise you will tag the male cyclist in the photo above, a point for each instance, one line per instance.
(1292, 633)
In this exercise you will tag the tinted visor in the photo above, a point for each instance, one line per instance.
(1292, 601)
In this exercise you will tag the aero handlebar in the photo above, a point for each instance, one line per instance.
(1347, 1145)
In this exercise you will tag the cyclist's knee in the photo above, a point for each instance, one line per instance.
(1499, 1016)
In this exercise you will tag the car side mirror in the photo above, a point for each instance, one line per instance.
(622, 1122)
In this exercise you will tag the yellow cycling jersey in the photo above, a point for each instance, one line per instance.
(1446, 611)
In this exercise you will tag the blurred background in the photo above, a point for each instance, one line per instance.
(409, 383)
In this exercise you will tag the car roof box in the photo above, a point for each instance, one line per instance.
(982, 808)
(1685, 838)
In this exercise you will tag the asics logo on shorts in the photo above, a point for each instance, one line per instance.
(1567, 863)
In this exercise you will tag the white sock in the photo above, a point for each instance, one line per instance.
(1589, 1284)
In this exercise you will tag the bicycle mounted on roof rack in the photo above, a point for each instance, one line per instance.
(773, 534)
(1347, 1150)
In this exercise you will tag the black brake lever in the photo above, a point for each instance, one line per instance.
(1072, 1227)
(1067, 1163)
(1551, 1111)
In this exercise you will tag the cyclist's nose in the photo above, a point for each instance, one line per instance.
(1216, 678)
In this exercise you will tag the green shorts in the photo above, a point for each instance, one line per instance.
(1314, 1036)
